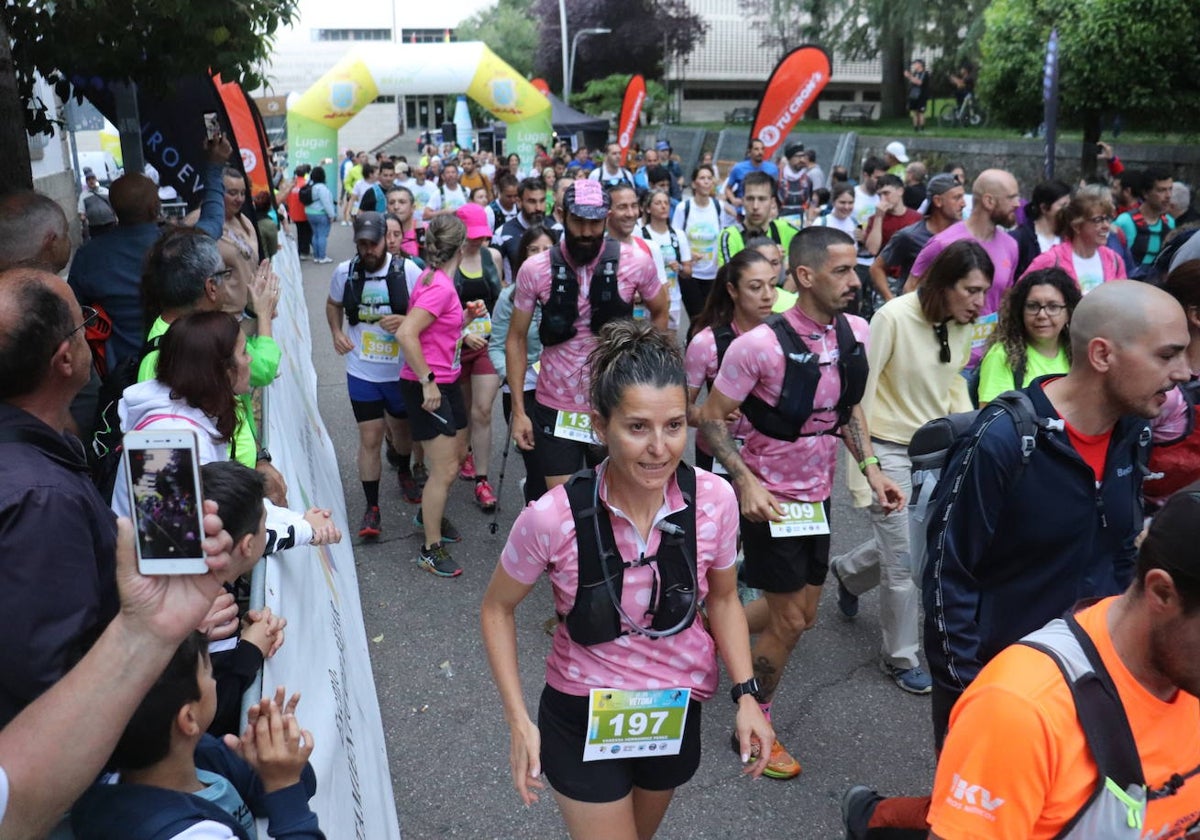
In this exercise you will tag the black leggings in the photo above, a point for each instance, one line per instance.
(535, 481)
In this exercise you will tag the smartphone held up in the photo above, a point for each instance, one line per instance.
(163, 476)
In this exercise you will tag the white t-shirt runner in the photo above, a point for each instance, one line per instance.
(376, 356)
(667, 252)
(448, 199)
(701, 233)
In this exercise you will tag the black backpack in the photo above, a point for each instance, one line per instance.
(802, 376)
(305, 193)
(397, 286)
(104, 444)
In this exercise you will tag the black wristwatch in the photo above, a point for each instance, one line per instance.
(750, 686)
(429, 378)
(264, 455)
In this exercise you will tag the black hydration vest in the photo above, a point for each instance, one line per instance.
(397, 286)
(801, 375)
(593, 619)
(561, 310)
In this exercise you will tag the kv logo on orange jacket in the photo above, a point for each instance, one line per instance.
(799, 78)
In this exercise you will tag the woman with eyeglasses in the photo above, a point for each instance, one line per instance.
(1084, 225)
(920, 343)
(630, 658)
(1033, 336)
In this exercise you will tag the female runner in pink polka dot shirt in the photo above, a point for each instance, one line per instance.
(639, 404)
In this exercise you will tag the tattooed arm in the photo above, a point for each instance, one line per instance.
(858, 440)
(757, 503)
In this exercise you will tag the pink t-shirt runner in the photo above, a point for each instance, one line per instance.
(802, 470)
(563, 380)
(441, 341)
(1002, 248)
(543, 540)
(700, 366)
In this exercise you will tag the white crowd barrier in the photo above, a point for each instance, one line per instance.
(325, 655)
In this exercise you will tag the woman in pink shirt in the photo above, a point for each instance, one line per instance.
(431, 340)
(740, 300)
(1083, 225)
(656, 538)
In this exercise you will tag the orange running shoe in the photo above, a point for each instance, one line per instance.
(781, 765)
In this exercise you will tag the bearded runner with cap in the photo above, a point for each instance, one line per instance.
(580, 284)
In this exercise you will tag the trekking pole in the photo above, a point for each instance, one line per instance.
(495, 524)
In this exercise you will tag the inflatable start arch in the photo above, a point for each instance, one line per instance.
(372, 69)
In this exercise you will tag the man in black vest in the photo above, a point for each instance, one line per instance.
(368, 298)
(798, 399)
(581, 283)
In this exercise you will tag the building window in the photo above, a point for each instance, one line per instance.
(352, 34)
(384, 98)
(426, 36)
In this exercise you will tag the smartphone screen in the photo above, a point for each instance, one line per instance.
(163, 476)
(212, 125)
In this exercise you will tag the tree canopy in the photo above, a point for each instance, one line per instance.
(1133, 57)
(149, 42)
(509, 29)
(607, 94)
(642, 30)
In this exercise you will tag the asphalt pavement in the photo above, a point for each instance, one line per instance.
(447, 741)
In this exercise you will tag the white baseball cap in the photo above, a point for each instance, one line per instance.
(896, 149)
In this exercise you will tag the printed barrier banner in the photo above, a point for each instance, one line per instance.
(631, 113)
(325, 655)
(797, 80)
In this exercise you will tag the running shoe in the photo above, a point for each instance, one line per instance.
(437, 561)
(912, 680)
(847, 601)
(858, 804)
(409, 489)
(450, 534)
(421, 474)
(484, 496)
(467, 473)
(370, 527)
(781, 765)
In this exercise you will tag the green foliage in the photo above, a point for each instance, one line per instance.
(149, 42)
(1133, 57)
(509, 29)
(606, 95)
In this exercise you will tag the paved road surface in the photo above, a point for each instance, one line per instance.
(446, 737)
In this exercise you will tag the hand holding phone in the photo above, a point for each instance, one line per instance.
(162, 471)
(212, 125)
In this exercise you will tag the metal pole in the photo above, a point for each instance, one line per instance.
(562, 25)
(129, 125)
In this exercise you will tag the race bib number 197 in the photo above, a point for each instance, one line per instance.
(635, 724)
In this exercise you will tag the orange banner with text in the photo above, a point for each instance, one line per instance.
(799, 78)
(631, 113)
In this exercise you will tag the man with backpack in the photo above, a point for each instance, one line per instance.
(368, 299)
(296, 212)
(798, 379)
(1144, 229)
(1023, 525)
(95, 210)
(1086, 727)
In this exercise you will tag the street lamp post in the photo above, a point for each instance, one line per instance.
(570, 77)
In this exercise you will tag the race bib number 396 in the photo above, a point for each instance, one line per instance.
(635, 724)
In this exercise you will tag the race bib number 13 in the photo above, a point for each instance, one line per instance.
(801, 519)
(574, 425)
(635, 724)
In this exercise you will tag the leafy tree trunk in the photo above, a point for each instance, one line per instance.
(892, 55)
(1091, 136)
(15, 166)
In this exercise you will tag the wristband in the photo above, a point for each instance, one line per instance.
(866, 462)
